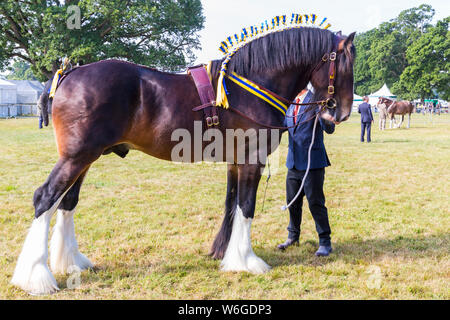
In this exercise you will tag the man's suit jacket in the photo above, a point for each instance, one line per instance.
(301, 136)
(366, 112)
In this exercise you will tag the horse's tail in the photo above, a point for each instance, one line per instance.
(44, 101)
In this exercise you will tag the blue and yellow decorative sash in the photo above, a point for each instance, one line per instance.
(254, 89)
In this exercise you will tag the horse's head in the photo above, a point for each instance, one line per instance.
(339, 109)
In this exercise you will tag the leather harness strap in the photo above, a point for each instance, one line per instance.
(206, 93)
(243, 115)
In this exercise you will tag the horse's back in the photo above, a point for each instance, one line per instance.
(112, 102)
(103, 80)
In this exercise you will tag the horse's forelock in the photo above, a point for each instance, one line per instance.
(348, 58)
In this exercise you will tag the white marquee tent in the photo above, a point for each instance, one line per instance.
(383, 92)
(8, 92)
(8, 99)
(28, 92)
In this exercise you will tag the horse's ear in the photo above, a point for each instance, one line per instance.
(339, 33)
(350, 39)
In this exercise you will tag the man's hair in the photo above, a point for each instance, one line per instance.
(366, 98)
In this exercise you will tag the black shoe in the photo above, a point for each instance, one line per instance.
(288, 243)
(324, 251)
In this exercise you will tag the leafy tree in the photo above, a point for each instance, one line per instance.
(365, 80)
(157, 33)
(20, 70)
(415, 21)
(428, 72)
(382, 51)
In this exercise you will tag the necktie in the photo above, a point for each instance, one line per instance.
(296, 111)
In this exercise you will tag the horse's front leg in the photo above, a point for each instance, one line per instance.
(223, 237)
(239, 255)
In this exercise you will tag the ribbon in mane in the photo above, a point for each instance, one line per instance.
(233, 43)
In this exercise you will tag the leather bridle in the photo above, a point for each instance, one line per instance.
(329, 102)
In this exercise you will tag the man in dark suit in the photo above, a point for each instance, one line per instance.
(366, 118)
(297, 161)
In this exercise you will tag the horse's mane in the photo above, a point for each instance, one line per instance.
(278, 51)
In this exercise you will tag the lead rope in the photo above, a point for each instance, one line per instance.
(267, 184)
(284, 208)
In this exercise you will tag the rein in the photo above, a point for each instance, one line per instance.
(243, 115)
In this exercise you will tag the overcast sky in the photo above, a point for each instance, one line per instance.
(225, 18)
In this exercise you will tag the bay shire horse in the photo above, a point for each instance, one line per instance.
(112, 106)
(398, 107)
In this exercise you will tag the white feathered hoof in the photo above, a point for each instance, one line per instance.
(64, 254)
(32, 273)
(37, 280)
(67, 261)
(239, 255)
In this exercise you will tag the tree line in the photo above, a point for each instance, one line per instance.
(408, 53)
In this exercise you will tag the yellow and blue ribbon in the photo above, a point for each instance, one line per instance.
(255, 90)
(56, 78)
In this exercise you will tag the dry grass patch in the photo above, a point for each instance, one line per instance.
(148, 224)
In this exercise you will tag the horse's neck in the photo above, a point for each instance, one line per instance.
(286, 84)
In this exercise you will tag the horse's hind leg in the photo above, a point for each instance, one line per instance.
(401, 121)
(409, 120)
(64, 254)
(32, 273)
(239, 255)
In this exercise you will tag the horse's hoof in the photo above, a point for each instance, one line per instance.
(38, 282)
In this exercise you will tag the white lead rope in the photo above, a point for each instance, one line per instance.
(284, 208)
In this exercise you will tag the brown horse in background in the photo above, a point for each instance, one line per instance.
(398, 107)
(116, 106)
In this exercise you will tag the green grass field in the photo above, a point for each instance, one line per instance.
(148, 224)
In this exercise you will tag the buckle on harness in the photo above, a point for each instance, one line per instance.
(209, 121)
(330, 89)
(215, 120)
(330, 103)
(332, 56)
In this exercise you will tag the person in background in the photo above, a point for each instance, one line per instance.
(382, 108)
(366, 118)
(41, 118)
(297, 161)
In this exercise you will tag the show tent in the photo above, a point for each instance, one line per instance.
(28, 92)
(8, 92)
(8, 99)
(383, 92)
